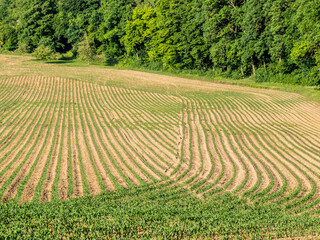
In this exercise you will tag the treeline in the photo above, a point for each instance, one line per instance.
(274, 40)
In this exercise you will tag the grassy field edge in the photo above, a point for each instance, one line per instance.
(309, 92)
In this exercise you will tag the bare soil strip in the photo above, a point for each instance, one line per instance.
(237, 136)
(193, 158)
(10, 97)
(241, 160)
(20, 168)
(63, 181)
(124, 138)
(13, 115)
(275, 139)
(46, 193)
(215, 167)
(143, 142)
(145, 117)
(10, 94)
(251, 118)
(258, 143)
(236, 118)
(13, 138)
(109, 147)
(116, 147)
(102, 141)
(206, 163)
(78, 178)
(93, 143)
(27, 141)
(7, 83)
(184, 154)
(31, 185)
(84, 151)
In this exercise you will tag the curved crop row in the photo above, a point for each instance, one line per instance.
(68, 138)
(62, 138)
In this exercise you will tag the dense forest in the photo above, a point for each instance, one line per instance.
(273, 40)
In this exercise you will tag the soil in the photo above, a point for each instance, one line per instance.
(135, 132)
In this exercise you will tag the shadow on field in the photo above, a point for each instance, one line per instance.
(64, 61)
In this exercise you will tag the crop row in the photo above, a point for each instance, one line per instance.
(66, 138)
(63, 138)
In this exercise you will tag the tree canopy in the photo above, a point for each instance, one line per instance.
(235, 38)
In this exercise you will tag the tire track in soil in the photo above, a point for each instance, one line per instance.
(242, 140)
(206, 164)
(184, 154)
(193, 158)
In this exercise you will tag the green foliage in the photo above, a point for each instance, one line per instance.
(301, 52)
(23, 48)
(139, 32)
(85, 50)
(168, 39)
(304, 77)
(253, 44)
(74, 18)
(8, 33)
(35, 22)
(194, 48)
(115, 14)
(307, 22)
(277, 32)
(262, 75)
(43, 52)
(230, 38)
(222, 31)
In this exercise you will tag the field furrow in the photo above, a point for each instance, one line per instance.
(63, 138)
